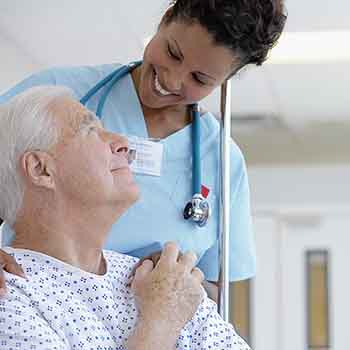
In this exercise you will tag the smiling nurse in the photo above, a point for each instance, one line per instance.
(198, 45)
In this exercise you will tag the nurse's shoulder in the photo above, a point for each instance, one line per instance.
(211, 129)
(77, 78)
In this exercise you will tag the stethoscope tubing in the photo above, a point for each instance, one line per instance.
(117, 76)
(196, 157)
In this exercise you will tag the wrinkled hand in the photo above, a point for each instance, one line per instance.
(153, 257)
(8, 264)
(170, 291)
(211, 288)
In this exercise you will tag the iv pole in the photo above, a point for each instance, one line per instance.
(224, 234)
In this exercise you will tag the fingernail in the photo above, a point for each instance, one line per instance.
(2, 292)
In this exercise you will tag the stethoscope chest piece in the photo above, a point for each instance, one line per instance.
(197, 210)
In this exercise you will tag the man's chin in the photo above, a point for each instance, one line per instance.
(133, 194)
(127, 203)
(136, 194)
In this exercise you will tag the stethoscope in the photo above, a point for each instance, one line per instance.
(197, 209)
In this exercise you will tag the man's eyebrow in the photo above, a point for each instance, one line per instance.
(91, 118)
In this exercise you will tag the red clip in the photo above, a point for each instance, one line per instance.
(205, 191)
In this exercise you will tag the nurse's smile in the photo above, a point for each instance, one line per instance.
(160, 90)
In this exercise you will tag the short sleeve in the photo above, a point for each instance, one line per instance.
(46, 77)
(22, 326)
(78, 79)
(217, 334)
(242, 245)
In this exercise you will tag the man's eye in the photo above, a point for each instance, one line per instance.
(92, 128)
(172, 54)
(87, 129)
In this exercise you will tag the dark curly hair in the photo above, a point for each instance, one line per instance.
(250, 28)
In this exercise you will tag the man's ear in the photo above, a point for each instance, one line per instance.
(38, 168)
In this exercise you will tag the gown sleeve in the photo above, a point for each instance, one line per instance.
(242, 246)
(23, 326)
(207, 330)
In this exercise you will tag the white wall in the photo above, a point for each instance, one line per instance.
(297, 209)
(279, 300)
(300, 187)
(15, 63)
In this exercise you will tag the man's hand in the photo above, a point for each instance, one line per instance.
(8, 264)
(168, 293)
(211, 288)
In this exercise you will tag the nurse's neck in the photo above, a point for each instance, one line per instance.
(162, 122)
(165, 122)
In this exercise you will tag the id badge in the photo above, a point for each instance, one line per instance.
(147, 155)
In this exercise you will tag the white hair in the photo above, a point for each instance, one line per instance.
(26, 123)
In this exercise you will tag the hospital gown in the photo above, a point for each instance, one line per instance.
(158, 216)
(62, 307)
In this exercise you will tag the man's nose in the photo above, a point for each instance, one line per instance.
(119, 144)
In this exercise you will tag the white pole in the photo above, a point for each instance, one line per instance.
(225, 136)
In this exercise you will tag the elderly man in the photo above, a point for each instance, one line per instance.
(64, 181)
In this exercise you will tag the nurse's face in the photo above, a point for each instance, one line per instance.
(182, 65)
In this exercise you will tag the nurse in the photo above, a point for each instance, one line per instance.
(198, 45)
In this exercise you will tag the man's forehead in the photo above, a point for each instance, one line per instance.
(76, 115)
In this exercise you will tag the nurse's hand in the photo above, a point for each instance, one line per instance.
(168, 293)
(8, 264)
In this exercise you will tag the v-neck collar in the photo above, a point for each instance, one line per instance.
(178, 144)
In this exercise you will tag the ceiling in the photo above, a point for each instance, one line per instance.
(35, 34)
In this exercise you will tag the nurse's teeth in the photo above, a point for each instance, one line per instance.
(159, 87)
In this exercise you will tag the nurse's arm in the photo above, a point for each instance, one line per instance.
(8, 264)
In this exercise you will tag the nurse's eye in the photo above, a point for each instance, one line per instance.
(198, 80)
(172, 54)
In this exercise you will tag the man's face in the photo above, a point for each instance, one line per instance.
(91, 163)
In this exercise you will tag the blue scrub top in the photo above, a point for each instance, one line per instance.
(157, 217)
